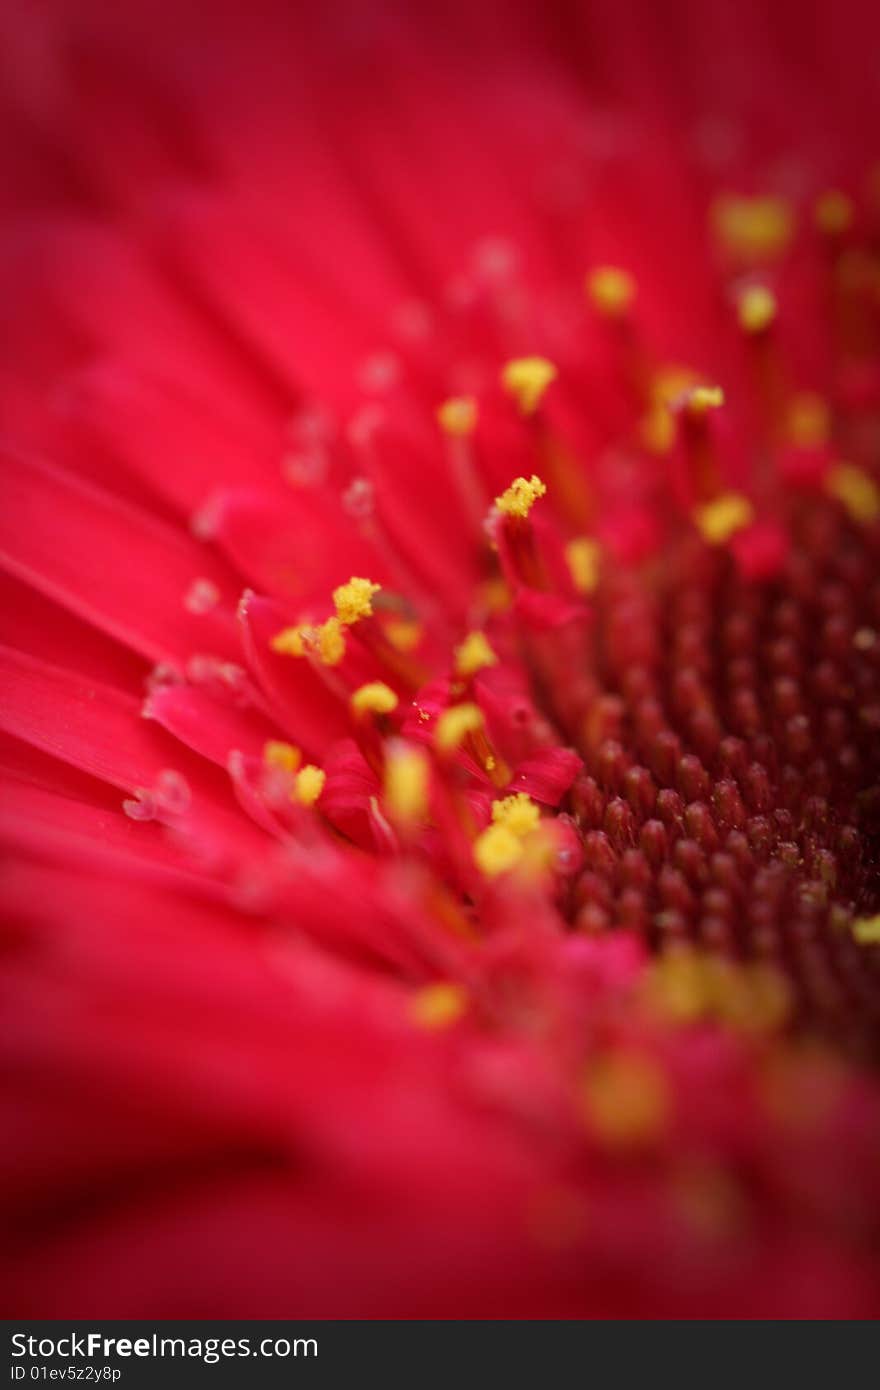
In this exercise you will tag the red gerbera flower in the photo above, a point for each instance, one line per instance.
(441, 636)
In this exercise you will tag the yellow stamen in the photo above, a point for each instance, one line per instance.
(611, 290)
(497, 850)
(374, 698)
(718, 520)
(404, 634)
(458, 415)
(626, 1099)
(701, 399)
(407, 779)
(809, 420)
(686, 985)
(526, 379)
(281, 755)
(473, 654)
(288, 642)
(354, 600)
(833, 212)
(520, 497)
(330, 642)
(494, 594)
(309, 784)
(437, 1006)
(753, 229)
(866, 930)
(756, 308)
(858, 493)
(517, 813)
(454, 725)
(582, 558)
(326, 641)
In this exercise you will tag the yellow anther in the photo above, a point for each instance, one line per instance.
(582, 558)
(437, 1006)
(281, 755)
(309, 784)
(458, 415)
(473, 654)
(517, 813)
(520, 497)
(833, 212)
(686, 985)
(671, 382)
(809, 420)
(626, 1099)
(494, 594)
(497, 850)
(330, 642)
(676, 987)
(865, 639)
(699, 400)
(611, 290)
(404, 634)
(526, 379)
(866, 930)
(407, 779)
(753, 229)
(756, 308)
(374, 698)
(354, 600)
(718, 520)
(454, 725)
(288, 642)
(856, 490)
(326, 641)
(658, 429)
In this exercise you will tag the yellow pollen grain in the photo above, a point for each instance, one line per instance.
(753, 229)
(520, 497)
(701, 399)
(756, 308)
(833, 212)
(407, 780)
(437, 1006)
(518, 813)
(526, 379)
(809, 420)
(497, 850)
(582, 558)
(864, 639)
(866, 930)
(718, 520)
(458, 415)
(856, 490)
(454, 725)
(374, 698)
(626, 1099)
(309, 784)
(473, 655)
(281, 755)
(610, 290)
(354, 600)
